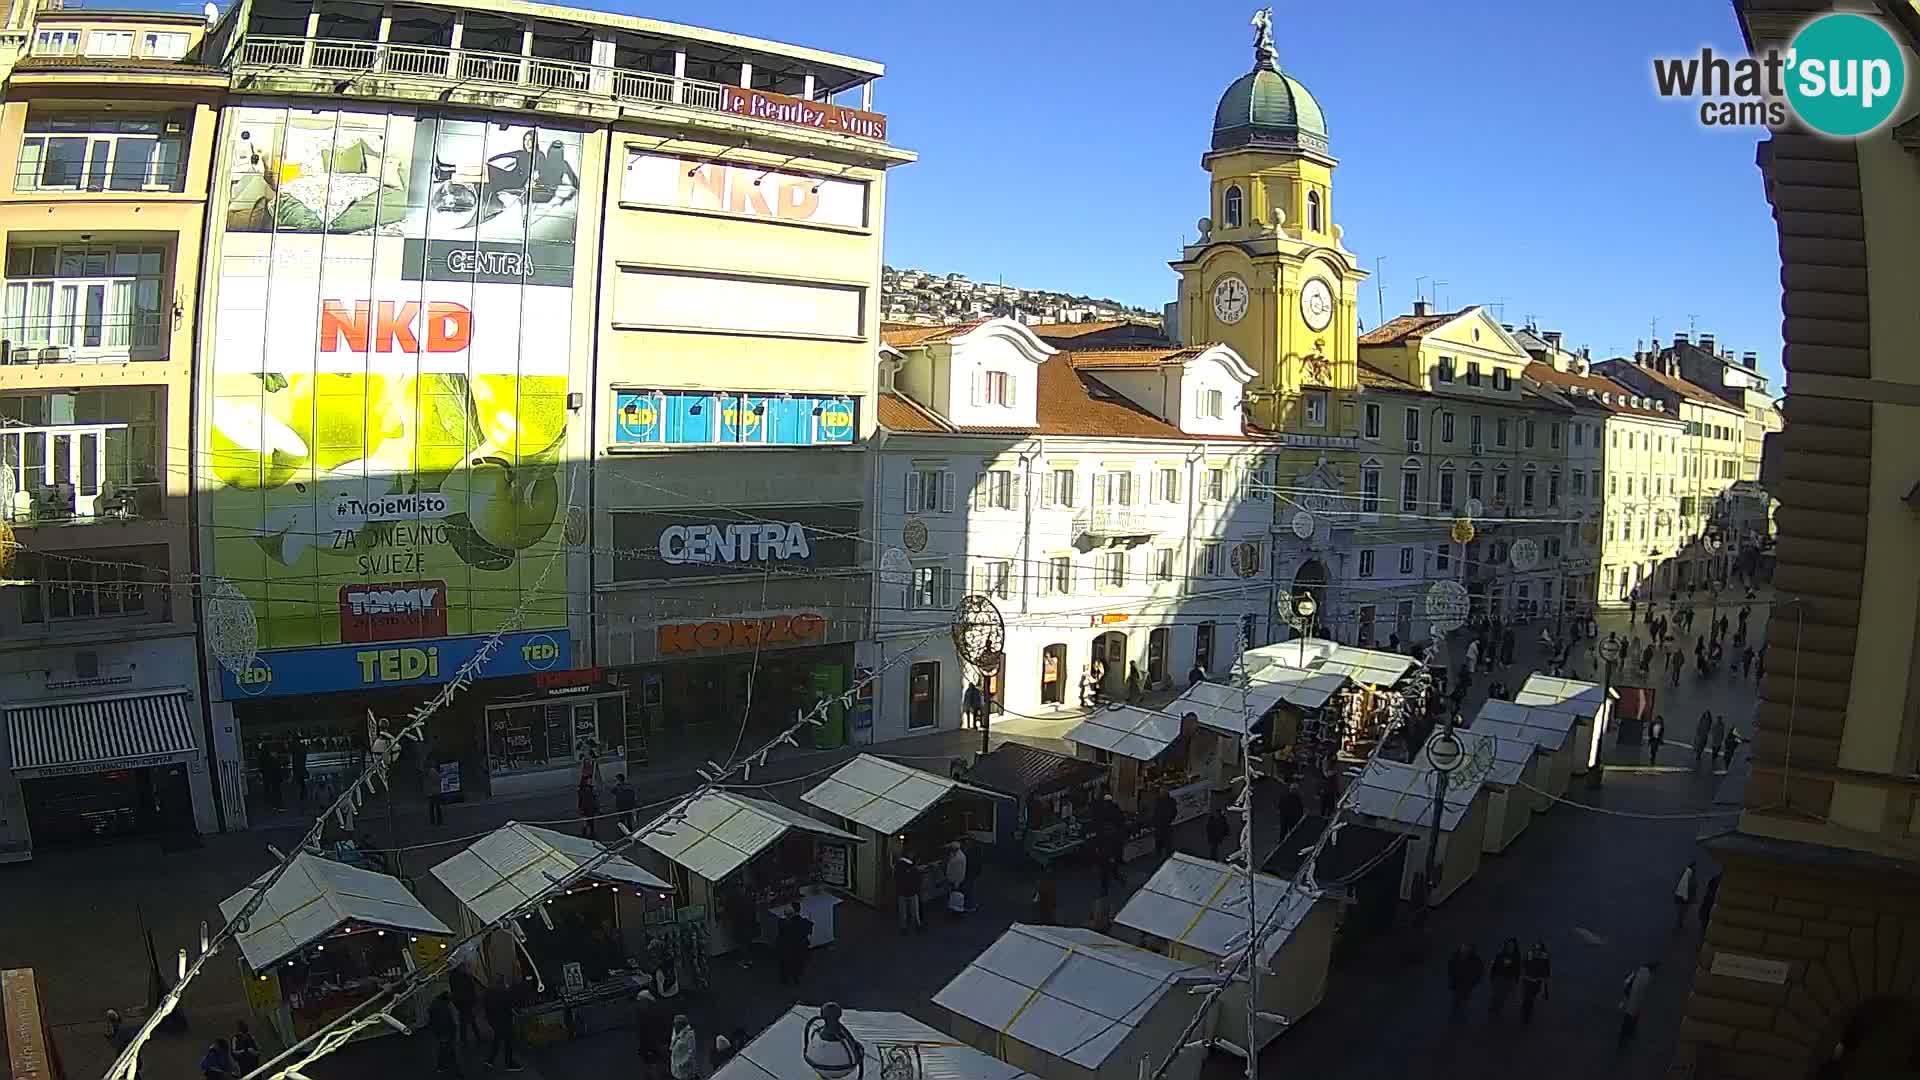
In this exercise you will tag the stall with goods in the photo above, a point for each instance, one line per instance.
(1071, 1004)
(325, 939)
(1399, 798)
(1590, 707)
(887, 1040)
(1196, 910)
(903, 812)
(1146, 753)
(1052, 796)
(743, 865)
(1550, 732)
(1275, 704)
(1360, 867)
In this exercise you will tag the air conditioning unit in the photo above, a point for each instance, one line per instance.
(1413, 444)
(86, 665)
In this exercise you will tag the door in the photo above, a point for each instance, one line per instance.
(1366, 625)
(923, 695)
(1053, 674)
(1203, 648)
(1110, 649)
(1157, 656)
(1403, 620)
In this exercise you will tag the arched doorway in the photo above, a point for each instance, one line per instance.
(1110, 650)
(1311, 580)
(1053, 674)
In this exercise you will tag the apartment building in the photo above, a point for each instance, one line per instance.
(1404, 537)
(109, 122)
(1111, 503)
(1738, 381)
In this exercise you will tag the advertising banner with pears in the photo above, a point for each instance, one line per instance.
(386, 431)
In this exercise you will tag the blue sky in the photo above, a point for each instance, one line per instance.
(1516, 151)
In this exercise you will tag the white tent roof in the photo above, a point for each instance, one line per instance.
(514, 863)
(775, 1054)
(1547, 728)
(1304, 689)
(723, 832)
(1369, 666)
(1404, 794)
(1226, 708)
(1068, 992)
(883, 795)
(1129, 731)
(1202, 904)
(1581, 699)
(1507, 759)
(317, 896)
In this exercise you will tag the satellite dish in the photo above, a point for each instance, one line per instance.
(212, 12)
(1475, 508)
(1525, 554)
(896, 568)
(1447, 606)
(1303, 524)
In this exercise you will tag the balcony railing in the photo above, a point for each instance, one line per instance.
(79, 339)
(1111, 523)
(479, 66)
(62, 474)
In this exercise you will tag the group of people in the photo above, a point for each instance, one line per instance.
(1711, 734)
(587, 796)
(451, 1020)
(1531, 973)
(225, 1059)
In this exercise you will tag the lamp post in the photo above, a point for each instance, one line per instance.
(832, 1052)
(1304, 607)
(1445, 754)
(1610, 651)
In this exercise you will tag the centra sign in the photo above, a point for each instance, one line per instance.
(756, 542)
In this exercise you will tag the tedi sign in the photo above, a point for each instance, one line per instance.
(752, 542)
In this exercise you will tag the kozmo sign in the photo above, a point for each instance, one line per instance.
(781, 109)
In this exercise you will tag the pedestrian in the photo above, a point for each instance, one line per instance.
(792, 939)
(1109, 835)
(271, 777)
(683, 1050)
(906, 895)
(1329, 787)
(1656, 734)
(1195, 677)
(1292, 808)
(1760, 666)
(218, 1063)
(973, 704)
(1133, 680)
(246, 1051)
(626, 802)
(1046, 899)
(1536, 979)
(1633, 609)
(1506, 647)
(666, 980)
(1746, 661)
(1683, 894)
(1502, 976)
(1217, 830)
(1674, 664)
(1731, 746)
(1707, 897)
(1702, 734)
(1718, 743)
(589, 804)
(446, 1030)
(723, 1051)
(1464, 971)
(1646, 658)
(1473, 655)
(499, 1004)
(1165, 810)
(1633, 997)
(465, 993)
(956, 871)
(590, 765)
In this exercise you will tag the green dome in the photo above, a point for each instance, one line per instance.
(1269, 109)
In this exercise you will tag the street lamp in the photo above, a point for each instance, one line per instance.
(1610, 652)
(1304, 607)
(1445, 754)
(829, 1049)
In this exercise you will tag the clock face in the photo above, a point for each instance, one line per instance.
(1230, 299)
(1316, 303)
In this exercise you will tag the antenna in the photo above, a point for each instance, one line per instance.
(1418, 293)
(1380, 289)
(1692, 320)
(1436, 292)
(1653, 335)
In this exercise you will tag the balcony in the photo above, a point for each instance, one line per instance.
(1117, 524)
(74, 474)
(262, 55)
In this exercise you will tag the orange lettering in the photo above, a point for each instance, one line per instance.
(809, 628)
(746, 632)
(712, 635)
(706, 189)
(393, 327)
(777, 630)
(336, 324)
(449, 327)
(676, 638)
(798, 200)
(746, 199)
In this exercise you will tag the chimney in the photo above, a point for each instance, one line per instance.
(1751, 359)
(1706, 342)
(1420, 307)
(1553, 339)
(1678, 340)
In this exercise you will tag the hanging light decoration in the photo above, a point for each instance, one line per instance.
(232, 631)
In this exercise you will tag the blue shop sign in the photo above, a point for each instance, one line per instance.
(381, 664)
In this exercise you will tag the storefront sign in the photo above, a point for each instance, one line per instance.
(574, 679)
(805, 628)
(420, 663)
(143, 761)
(745, 190)
(536, 262)
(27, 1050)
(781, 109)
(771, 541)
(1109, 618)
(675, 544)
(400, 611)
(1752, 968)
(449, 778)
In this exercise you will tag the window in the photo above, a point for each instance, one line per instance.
(1216, 485)
(1578, 431)
(923, 695)
(1372, 429)
(105, 301)
(993, 578)
(1209, 560)
(1370, 489)
(1502, 380)
(1232, 209)
(1057, 580)
(1629, 485)
(1474, 438)
(1409, 490)
(1473, 373)
(1366, 562)
(1500, 429)
(995, 490)
(1213, 404)
(1413, 427)
(82, 454)
(1169, 485)
(1475, 484)
(1553, 436)
(1500, 486)
(1314, 216)
(162, 46)
(1316, 407)
(932, 587)
(83, 588)
(1443, 371)
(1527, 433)
(1613, 485)
(1406, 560)
(1553, 489)
(109, 43)
(1163, 564)
(1446, 488)
(1203, 647)
(57, 43)
(1616, 440)
(1113, 488)
(1113, 571)
(929, 491)
(1057, 490)
(1443, 557)
(1526, 488)
(996, 388)
(1446, 427)
(1579, 480)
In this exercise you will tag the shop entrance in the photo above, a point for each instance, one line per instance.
(113, 805)
(1053, 672)
(1110, 652)
(554, 733)
(1203, 648)
(1157, 656)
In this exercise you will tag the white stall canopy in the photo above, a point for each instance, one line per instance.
(1502, 762)
(883, 795)
(1572, 696)
(516, 862)
(1127, 730)
(1391, 791)
(317, 896)
(723, 832)
(775, 1054)
(1507, 721)
(1202, 904)
(1067, 992)
(1226, 709)
(1368, 666)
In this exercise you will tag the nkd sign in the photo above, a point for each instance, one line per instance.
(697, 542)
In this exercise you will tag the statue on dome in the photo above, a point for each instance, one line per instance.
(1264, 53)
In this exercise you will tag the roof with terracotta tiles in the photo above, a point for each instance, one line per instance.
(1401, 327)
(1076, 329)
(1070, 402)
(1575, 387)
(1095, 359)
(900, 413)
(1375, 379)
(908, 335)
(1692, 391)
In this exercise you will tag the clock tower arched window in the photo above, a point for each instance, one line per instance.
(1233, 208)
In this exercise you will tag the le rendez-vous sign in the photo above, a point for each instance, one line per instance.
(781, 109)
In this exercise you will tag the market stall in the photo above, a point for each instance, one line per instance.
(732, 853)
(1195, 910)
(1052, 796)
(776, 1053)
(1070, 1004)
(1551, 734)
(899, 810)
(1273, 705)
(1360, 866)
(591, 943)
(1504, 765)
(1399, 798)
(1589, 705)
(325, 939)
(1370, 667)
(1145, 752)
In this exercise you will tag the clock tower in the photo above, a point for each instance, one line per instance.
(1269, 275)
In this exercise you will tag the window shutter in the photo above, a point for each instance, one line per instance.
(976, 579)
(1099, 489)
(1013, 487)
(1173, 485)
(1153, 485)
(1048, 491)
(1013, 390)
(913, 492)
(946, 492)
(979, 387)
(981, 488)
(1126, 489)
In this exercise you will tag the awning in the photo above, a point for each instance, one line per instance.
(883, 795)
(774, 1054)
(132, 731)
(317, 896)
(1226, 708)
(1501, 762)
(723, 832)
(1202, 904)
(1127, 730)
(1574, 696)
(1403, 794)
(1544, 727)
(516, 862)
(1369, 666)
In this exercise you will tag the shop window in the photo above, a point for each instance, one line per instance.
(923, 695)
(1053, 674)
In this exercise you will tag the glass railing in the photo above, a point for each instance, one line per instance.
(83, 339)
(74, 473)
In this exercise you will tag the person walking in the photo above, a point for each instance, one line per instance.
(1195, 677)
(1046, 899)
(790, 944)
(1707, 897)
(1633, 998)
(1133, 680)
(1464, 972)
(499, 1004)
(246, 1051)
(465, 993)
(1292, 808)
(1502, 976)
(626, 802)
(973, 703)
(1731, 745)
(1473, 655)
(1536, 979)
(906, 895)
(1165, 809)
(956, 871)
(1674, 663)
(1217, 830)
(683, 1050)
(589, 804)
(271, 778)
(1646, 659)
(446, 1032)
(1684, 891)
(1719, 742)
(218, 1063)
(1656, 734)
(1702, 733)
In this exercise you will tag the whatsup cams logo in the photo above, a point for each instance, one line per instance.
(1842, 75)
